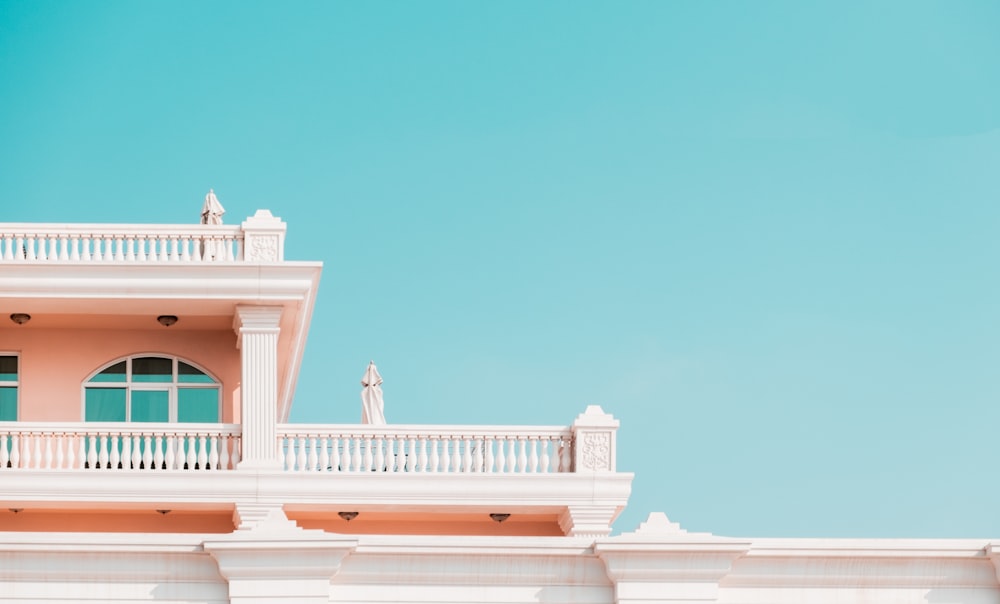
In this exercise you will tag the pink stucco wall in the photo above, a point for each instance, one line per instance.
(55, 362)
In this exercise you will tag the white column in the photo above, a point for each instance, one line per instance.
(257, 338)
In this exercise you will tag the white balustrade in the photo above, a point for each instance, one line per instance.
(118, 446)
(120, 243)
(428, 449)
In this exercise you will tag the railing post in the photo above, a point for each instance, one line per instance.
(257, 337)
(594, 438)
(264, 238)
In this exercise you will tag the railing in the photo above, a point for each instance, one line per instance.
(116, 446)
(427, 449)
(120, 243)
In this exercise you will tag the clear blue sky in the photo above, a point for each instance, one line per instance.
(761, 234)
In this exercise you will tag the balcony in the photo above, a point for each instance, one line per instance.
(564, 476)
(258, 239)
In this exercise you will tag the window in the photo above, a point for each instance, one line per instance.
(151, 389)
(8, 387)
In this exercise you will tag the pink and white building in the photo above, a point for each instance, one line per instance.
(146, 378)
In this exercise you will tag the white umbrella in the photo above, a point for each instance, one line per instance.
(212, 211)
(372, 405)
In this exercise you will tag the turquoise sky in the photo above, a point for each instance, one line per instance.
(761, 234)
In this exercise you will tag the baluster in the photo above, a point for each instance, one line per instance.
(390, 454)
(501, 457)
(158, 452)
(303, 456)
(29, 247)
(456, 455)
(212, 461)
(323, 461)
(230, 452)
(566, 465)
(147, 452)
(4, 452)
(140, 248)
(543, 461)
(170, 457)
(126, 455)
(28, 441)
(334, 454)
(532, 454)
(202, 459)
(313, 460)
(488, 451)
(114, 457)
(185, 243)
(435, 459)
(119, 248)
(36, 451)
(81, 451)
(174, 256)
(102, 451)
(466, 454)
(356, 455)
(222, 458)
(64, 247)
(422, 455)
(345, 462)
(477, 454)
(47, 456)
(227, 248)
(21, 251)
(135, 459)
(15, 451)
(379, 454)
(194, 454)
(522, 456)
(511, 455)
(411, 455)
(369, 460)
(196, 244)
(400, 454)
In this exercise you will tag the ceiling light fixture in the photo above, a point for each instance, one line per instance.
(499, 517)
(167, 320)
(348, 516)
(20, 318)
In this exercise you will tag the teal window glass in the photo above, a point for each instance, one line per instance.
(8, 404)
(198, 405)
(8, 369)
(187, 374)
(152, 369)
(115, 373)
(150, 405)
(104, 404)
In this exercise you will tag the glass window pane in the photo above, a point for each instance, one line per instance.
(8, 404)
(115, 373)
(150, 406)
(152, 369)
(198, 405)
(105, 405)
(189, 375)
(8, 369)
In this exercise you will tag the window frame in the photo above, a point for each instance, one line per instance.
(171, 387)
(15, 383)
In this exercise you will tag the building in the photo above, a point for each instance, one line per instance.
(146, 377)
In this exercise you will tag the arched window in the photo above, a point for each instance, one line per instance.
(147, 388)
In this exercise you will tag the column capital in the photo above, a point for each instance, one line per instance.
(250, 318)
